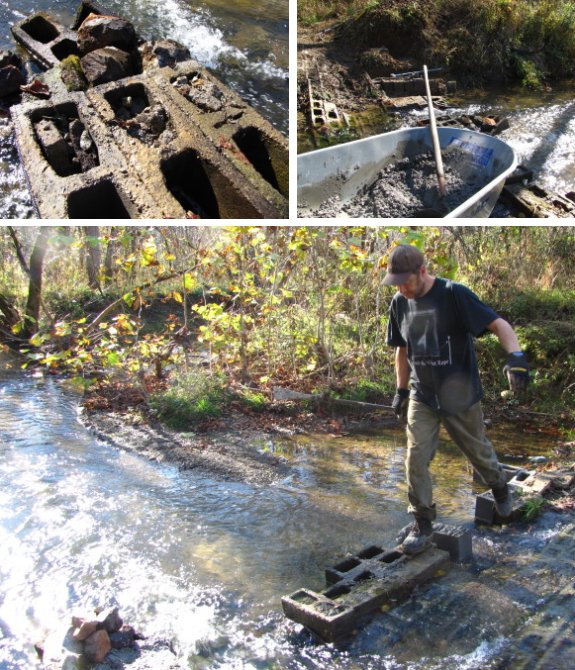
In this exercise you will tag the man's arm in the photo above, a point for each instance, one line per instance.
(505, 334)
(516, 367)
(401, 368)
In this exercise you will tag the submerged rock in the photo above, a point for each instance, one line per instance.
(163, 53)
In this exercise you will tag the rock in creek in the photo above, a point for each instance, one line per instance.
(89, 638)
(163, 53)
(98, 32)
(107, 64)
(10, 80)
(11, 73)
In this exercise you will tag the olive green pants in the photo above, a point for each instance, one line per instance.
(466, 430)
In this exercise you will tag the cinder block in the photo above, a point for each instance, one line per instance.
(454, 539)
(205, 154)
(486, 513)
(241, 135)
(370, 579)
(46, 39)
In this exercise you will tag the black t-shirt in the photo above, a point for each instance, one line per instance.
(438, 331)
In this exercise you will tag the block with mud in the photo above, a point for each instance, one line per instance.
(187, 175)
(359, 586)
(249, 142)
(72, 164)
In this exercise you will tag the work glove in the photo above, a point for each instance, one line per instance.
(400, 403)
(517, 372)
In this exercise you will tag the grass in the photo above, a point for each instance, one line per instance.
(192, 398)
(532, 508)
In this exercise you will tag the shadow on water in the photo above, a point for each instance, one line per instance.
(204, 562)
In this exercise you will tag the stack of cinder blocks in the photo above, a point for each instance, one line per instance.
(370, 579)
(212, 156)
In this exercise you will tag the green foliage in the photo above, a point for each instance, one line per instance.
(254, 400)
(299, 304)
(532, 508)
(192, 398)
(486, 41)
(529, 74)
(366, 390)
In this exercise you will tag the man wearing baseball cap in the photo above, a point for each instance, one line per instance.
(432, 325)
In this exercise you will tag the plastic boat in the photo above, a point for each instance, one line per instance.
(344, 169)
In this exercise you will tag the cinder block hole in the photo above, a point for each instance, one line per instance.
(186, 177)
(304, 597)
(128, 101)
(521, 476)
(98, 201)
(253, 145)
(86, 8)
(337, 591)
(369, 552)
(40, 29)
(363, 577)
(53, 130)
(346, 565)
(391, 556)
(65, 48)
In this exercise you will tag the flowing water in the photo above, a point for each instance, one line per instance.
(203, 562)
(245, 43)
(542, 128)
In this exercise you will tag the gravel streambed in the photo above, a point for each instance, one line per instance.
(408, 188)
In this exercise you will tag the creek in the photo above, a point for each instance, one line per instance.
(245, 44)
(204, 562)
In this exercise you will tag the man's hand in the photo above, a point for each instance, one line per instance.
(517, 372)
(400, 403)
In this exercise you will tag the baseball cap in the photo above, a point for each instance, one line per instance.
(403, 261)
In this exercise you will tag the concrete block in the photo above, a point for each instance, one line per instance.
(48, 41)
(241, 135)
(486, 513)
(187, 174)
(454, 539)
(370, 579)
(198, 152)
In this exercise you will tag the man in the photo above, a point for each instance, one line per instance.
(432, 323)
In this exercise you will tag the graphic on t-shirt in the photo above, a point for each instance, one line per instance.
(423, 334)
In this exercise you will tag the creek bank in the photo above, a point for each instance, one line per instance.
(238, 447)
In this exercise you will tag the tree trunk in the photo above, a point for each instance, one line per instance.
(109, 268)
(93, 255)
(32, 315)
